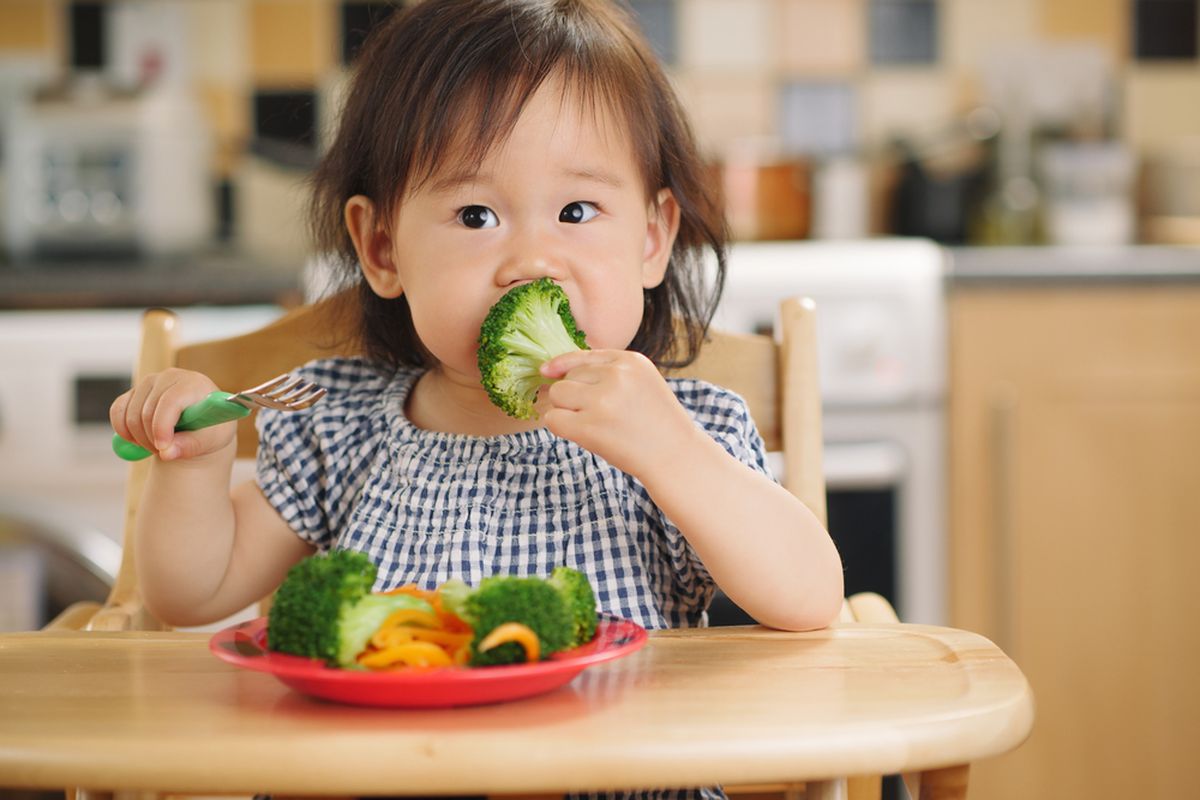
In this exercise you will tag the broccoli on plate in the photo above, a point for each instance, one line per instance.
(527, 327)
(575, 590)
(560, 611)
(325, 608)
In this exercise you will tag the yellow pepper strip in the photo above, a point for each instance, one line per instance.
(399, 620)
(410, 654)
(387, 637)
(513, 632)
(405, 616)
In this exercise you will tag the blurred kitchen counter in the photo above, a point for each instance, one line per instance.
(1135, 263)
(216, 277)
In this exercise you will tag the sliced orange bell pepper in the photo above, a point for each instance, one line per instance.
(513, 632)
(409, 654)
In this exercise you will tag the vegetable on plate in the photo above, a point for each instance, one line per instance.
(326, 609)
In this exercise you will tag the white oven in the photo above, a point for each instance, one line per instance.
(61, 487)
(881, 350)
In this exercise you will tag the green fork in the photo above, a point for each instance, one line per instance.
(283, 393)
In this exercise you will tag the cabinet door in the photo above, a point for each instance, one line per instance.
(1075, 528)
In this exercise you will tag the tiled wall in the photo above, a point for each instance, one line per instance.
(846, 74)
(818, 77)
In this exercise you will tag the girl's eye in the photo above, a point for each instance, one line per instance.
(579, 211)
(478, 217)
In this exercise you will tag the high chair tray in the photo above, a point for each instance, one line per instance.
(245, 645)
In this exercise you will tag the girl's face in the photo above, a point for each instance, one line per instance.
(562, 198)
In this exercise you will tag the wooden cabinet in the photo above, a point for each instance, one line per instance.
(1075, 526)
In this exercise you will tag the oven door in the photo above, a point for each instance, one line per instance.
(864, 484)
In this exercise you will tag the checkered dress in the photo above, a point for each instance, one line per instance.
(354, 473)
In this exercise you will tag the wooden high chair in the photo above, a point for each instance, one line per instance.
(778, 380)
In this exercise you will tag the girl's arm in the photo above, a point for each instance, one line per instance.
(761, 545)
(203, 552)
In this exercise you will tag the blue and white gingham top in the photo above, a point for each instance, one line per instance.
(354, 473)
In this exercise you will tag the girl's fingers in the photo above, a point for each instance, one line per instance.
(134, 414)
(156, 415)
(559, 366)
(568, 394)
(116, 414)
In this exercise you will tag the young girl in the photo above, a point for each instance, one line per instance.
(485, 144)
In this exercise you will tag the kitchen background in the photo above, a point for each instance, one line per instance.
(1010, 121)
(995, 203)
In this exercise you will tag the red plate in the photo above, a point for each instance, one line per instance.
(245, 646)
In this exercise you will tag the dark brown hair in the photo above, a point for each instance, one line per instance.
(445, 72)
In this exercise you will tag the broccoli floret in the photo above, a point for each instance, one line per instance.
(554, 609)
(527, 327)
(572, 585)
(325, 609)
(529, 601)
(508, 598)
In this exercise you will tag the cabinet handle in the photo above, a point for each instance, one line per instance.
(1003, 408)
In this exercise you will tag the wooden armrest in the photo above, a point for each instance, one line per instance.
(871, 607)
(124, 617)
(74, 617)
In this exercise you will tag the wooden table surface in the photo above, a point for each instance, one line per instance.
(696, 707)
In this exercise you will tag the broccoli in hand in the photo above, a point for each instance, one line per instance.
(325, 609)
(555, 610)
(527, 327)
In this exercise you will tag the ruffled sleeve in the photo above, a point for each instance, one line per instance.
(312, 463)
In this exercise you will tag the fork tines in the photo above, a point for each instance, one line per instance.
(285, 392)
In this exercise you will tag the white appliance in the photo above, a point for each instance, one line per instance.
(59, 371)
(93, 170)
(881, 350)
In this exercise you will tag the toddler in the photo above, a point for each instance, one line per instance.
(485, 144)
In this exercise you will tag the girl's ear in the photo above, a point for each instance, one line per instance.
(660, 238)
(374, 247)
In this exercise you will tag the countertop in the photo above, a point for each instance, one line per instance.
(227, 277)
(212, 277)
(1130, 264)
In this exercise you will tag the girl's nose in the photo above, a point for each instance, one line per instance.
(530, 256)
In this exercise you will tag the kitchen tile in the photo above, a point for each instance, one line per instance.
(1103, 21)
(822, 36)
(907, 103)
(724, 110)
(726, 34)
(286, 116)
(973, 29)
(1164, 29)
(818, 117)
(903, 31)
(291, 41)
(26, 25)
(1160, 103)
(657, 20)
(218, 41)
(87, 35)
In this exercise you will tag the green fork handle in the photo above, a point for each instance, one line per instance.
(218, 407)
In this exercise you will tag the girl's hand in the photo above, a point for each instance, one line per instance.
(147, 413)
(616, 404)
